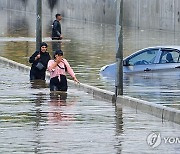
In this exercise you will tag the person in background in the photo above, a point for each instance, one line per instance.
(56, 28)
(39, 61)
(58, 68)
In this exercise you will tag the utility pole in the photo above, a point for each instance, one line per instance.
(38, 24)
(119, 48)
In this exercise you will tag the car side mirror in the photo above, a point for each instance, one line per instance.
(125, 63)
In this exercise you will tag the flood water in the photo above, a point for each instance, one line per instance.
(34, 121)
(88, 47)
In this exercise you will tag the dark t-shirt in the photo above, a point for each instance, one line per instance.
(56, 30)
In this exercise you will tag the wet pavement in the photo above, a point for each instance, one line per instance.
(34, 121)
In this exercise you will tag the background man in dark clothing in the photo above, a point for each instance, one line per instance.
(56, 28)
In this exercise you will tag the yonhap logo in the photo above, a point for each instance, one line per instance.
(154, 140)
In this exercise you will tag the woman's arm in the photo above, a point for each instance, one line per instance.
(70, 70)
(51, 65)
(34, 57)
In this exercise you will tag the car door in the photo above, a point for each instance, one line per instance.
(142, 61)
(169, 59)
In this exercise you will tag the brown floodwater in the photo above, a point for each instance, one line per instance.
(32, 120)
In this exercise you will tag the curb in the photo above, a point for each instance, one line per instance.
(165, 113)
(96, 92)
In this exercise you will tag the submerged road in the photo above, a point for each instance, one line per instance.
(35, 121)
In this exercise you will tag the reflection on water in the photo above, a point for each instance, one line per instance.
(37, 84)
(33, 120)
(90, 46)
(160, 88)
(56, 46)
(57, 103)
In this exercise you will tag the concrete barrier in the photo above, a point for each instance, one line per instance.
(165, 113)
(14, 64)
(96, 92)
(143, 14)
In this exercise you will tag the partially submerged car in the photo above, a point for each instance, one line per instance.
(160, 58)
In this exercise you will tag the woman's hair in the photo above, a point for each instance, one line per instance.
(58, 52)
(43, 44)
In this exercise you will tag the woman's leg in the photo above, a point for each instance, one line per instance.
(32, 76)
(63, 83)
(53, 84)
(53, 87)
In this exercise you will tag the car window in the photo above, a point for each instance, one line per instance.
(169, 56)
(144, 58)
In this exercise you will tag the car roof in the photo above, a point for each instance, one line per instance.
(155, 47)
(165, 46)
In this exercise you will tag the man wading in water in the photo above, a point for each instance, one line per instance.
(56, 28)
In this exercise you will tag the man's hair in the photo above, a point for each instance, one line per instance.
(58, 15)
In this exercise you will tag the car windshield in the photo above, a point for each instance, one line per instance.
(144, 58)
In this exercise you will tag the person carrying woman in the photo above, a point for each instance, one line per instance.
(58, 68)
(39, 61)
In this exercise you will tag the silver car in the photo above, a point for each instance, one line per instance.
(160, 58)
